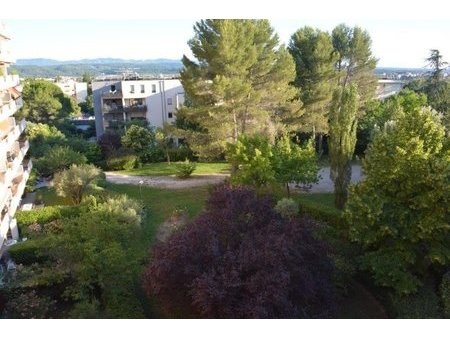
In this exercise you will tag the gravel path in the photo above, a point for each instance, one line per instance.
(326, 184)
(171, 182)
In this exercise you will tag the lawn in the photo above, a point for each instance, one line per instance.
(164, 169)
(159, 204)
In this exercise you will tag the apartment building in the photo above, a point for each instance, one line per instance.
(70, 87)
(14, 166)
(118, 100)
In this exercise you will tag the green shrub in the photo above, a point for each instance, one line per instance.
(27, 252)
(180, 154)
(152, 155)
(42, 216)
(287, 208)
(122, 159)
(184, 170)
(444, 290)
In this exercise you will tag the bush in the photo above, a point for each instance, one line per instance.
(27, 252)
(122, 159)
(287, 208)
(152, 155)
(239, 259)
(42, 216)
(180, 154)
(184, 170)
(57, 159)
(28, 305)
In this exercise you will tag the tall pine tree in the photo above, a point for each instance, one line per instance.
(315, 60)
(239, 85)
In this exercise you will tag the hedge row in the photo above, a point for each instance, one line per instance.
(27, 252)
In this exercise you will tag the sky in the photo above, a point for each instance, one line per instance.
(399, 38)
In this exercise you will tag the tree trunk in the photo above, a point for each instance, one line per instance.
(168, 156)
(320, 145)
(288, 191)
(341, 183)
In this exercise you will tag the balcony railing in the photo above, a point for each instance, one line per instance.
(135, 109)
(112, 109)
(9, 81)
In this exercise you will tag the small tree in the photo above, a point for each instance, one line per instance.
(74, 182)
(252, 158)
(293, 163)
(342, 140)
(164, 140)
(240, 259)
(399, 214)
(138, 138)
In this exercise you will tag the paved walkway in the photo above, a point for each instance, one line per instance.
(171, 182)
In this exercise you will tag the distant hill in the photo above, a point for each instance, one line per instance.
(103, 66)
(98, 61)
(41, 67)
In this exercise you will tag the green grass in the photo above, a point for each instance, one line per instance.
(47, 195)
(164, 169)
(161, 203)
(324, 200)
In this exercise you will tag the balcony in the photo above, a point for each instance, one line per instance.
(4, 227)
(6, 56)
(135, 109)
(8, 109)
(113, 95)
(9, 81)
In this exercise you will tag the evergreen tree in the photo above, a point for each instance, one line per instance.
(238, 85)
(315, 60)
(342, 140)
(44, 102)
(437, 64)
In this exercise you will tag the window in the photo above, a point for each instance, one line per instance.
(131, 89)
(153, 88)
(112, 89)
(142, 88)
(169, 101)
(170, 115)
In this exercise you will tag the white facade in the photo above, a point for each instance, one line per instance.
(119, 101)
(14, 168)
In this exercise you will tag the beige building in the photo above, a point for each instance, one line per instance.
(14, 167)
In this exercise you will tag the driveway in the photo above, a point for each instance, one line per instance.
(171, 182)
